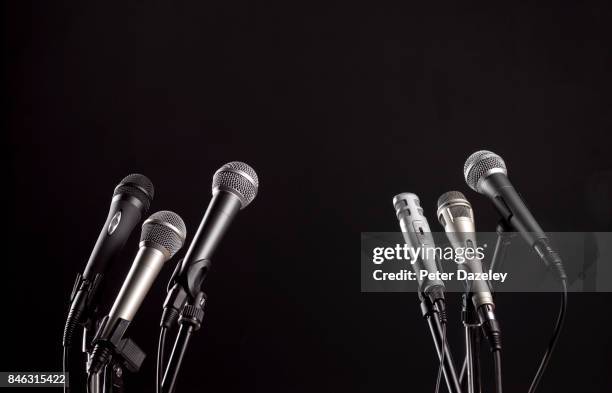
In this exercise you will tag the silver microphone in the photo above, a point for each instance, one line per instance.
(457, 217)
(163, 235)
(417, 234)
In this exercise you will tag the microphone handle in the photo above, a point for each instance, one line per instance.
(142, 274)
(480, 288)
(222, 209)
(124, 213)
(187, 279)
(512, 208)
(514, 211)
(145, 269)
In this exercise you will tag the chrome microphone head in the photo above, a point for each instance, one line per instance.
(164, 231)
(480, 165)
(137, 186)
(237, 178)
(455, 213)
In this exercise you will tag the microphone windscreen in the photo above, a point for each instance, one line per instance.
(239, 179)
(480, 165)
(138, 186)
(165, 231)
(457, 204)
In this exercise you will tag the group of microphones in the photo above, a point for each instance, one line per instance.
(485, 172)
(108, 351)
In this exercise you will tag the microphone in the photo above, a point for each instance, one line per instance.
(456, 215)
(234, 187)
(163, 235)
(485, 172)
(417, 234)
(131, 200)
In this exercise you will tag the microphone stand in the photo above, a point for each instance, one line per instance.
(471, 326)
(471, 323)
(190, 321)
(431, 314)
(504, 234)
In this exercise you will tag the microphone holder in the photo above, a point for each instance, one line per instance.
(190, 321)
(431, 314)
(504, 236)
(118, 355)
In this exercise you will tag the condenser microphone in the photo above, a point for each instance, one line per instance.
(485, 172)
(417, 235)
(131, 200)
(163, 235)
(234, 187)
(456, 215)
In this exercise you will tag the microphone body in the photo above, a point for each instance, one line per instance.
(140, 278)
(124, 213)
(417, 234)
(131, 200)
(163, 234)
(221, 211)
(457, 217)
(234, 186)
(485, 172)
(512, 208)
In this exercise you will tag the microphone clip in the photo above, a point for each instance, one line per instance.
(184, 287)
(110, 344)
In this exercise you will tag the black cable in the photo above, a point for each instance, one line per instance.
(65, 366)
(498, 371)
(443, 352)
(553, 340)
(159, 373)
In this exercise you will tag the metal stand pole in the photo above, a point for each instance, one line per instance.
(472, 344)
(431, 315)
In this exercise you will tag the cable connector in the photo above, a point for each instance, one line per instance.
(550, 257)
(193, 314)
(436, 296)
(490, 326)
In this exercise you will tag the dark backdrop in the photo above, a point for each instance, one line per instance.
(338, 107)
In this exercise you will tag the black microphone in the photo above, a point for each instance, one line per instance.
(485, 172)
(456, 215)
(131, 200)
(234, 187)
(163, 235)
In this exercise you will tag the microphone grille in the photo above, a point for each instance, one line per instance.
(450, 196)
(460, 211)
(138, 186)
(458, 205)
(481, 164)
(165, 231)
(239, 179)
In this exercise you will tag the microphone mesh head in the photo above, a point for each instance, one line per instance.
(457, 204)
(450, 196)
(239, 179)
(137, 186)
(165, 231)
(481, 164)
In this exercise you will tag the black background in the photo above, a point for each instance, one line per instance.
(338, 107)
